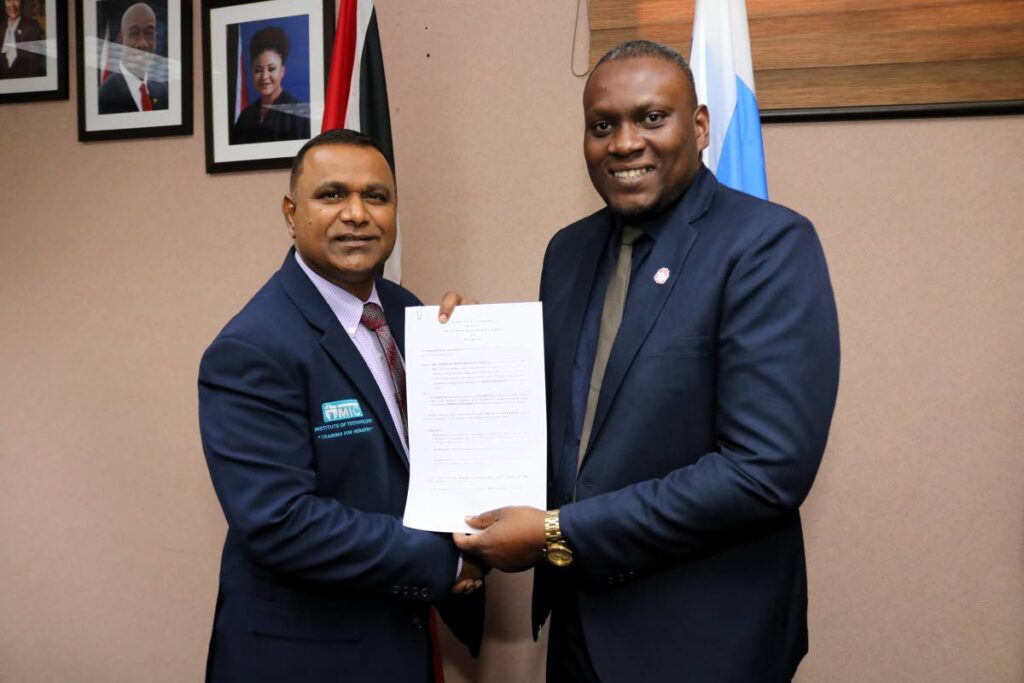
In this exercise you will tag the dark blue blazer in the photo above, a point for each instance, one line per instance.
(319, 579)
(711, 422)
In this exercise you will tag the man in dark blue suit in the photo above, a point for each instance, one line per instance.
(684, 438)
(140, 82)
(302, 416)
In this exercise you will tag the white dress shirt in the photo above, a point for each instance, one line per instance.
(133, 83)
(11, 41)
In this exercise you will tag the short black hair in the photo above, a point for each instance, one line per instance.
(633, 49)
(270, 38)
(337, 136)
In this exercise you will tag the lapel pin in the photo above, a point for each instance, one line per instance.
(661, 277)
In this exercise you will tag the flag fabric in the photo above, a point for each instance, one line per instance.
(723, 74)
(241, 92)
(105, 56)
(357, 92)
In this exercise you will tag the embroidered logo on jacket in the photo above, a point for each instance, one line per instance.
(341, 410)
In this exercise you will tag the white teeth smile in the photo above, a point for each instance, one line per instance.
(633, 173)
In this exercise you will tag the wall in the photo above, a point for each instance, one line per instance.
(123, 259)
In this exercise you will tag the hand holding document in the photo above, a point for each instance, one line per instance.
(477, 420)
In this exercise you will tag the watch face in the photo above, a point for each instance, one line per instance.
(560, 556)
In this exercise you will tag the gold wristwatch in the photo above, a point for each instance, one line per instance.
(555, 550)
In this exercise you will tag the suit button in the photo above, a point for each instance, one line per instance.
(425, 593)
(611, 580)
(417, 623)
(395, 590)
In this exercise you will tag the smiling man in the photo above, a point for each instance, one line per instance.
(692, 361)
(302, 416)
(136, 85)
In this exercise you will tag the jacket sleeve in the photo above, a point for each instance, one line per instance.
(255, 433)
(777, 359)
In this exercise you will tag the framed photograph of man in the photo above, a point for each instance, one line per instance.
(134, 68)
(33, 51)
(264, 65)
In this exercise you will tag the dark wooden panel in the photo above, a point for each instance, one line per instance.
(838, 53)
(605, 14)
(892, 84)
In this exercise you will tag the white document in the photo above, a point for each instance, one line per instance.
(477, 416)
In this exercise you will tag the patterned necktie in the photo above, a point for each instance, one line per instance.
(611, 318)
(147, 104)
(373, 319)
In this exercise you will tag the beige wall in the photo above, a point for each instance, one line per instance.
(122, 260)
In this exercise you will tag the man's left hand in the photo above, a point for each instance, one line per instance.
(470, 579)
(512, 540)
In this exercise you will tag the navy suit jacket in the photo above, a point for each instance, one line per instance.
(115, 98)
(710, 426)
(319, 579)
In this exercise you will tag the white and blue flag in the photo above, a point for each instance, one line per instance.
(724, 75)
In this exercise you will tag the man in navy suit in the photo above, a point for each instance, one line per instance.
(136, 85)
(680, 454)
(301, 411)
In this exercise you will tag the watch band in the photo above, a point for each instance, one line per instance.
(556, 551)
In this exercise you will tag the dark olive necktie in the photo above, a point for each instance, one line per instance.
(611, 318)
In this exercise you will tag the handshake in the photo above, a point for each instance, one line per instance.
(512, 539)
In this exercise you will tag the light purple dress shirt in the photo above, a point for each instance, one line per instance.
(348, 309)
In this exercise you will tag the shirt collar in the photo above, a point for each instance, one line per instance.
(347, 307)
(14, 27)
(130, 79)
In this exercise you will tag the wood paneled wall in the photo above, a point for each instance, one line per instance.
(822, 54)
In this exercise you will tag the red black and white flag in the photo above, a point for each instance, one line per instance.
(357, 93)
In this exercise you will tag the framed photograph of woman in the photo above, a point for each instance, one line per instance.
(264, 65)
(33, 50)
(134, 68)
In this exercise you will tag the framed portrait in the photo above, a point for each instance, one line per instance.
(34, 51)
(264, 65)
(134, 68)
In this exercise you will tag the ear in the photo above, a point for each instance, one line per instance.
(288, 211)
(701, 127)
(281, 77)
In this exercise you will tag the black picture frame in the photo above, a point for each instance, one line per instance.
(40, 68)
(905, 111)
(107, 108)
(240, 135)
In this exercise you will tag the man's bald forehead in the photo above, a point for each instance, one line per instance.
(139, 12)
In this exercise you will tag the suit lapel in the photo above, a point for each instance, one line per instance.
(646, 297)
(569, 333)
(338, 345)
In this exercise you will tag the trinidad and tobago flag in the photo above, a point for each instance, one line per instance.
(357, 93)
